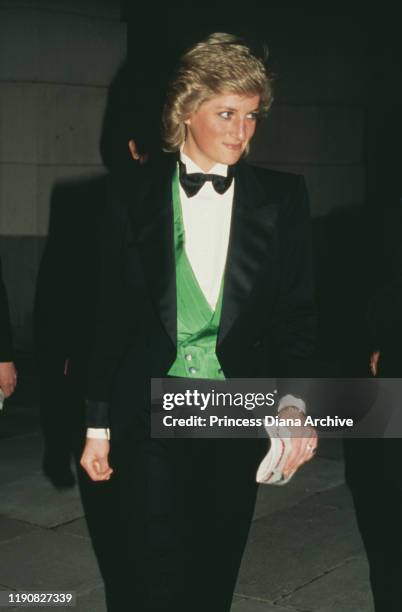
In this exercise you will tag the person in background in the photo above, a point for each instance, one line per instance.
(65, 303)
(372, 464)
(8, 372)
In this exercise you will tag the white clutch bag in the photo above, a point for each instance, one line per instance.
(270, 470)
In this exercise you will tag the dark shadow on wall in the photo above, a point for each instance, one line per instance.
(66, 283)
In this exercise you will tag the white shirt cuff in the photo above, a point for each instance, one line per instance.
(291, 400)
(98, 433)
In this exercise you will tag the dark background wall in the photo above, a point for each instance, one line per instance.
(334, 120)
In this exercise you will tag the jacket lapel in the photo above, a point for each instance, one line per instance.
(249, 245)
(251, 226)
(154, 221)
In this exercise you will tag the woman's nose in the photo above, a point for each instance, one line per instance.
(239, 129)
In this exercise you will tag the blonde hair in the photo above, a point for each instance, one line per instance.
(222, 63)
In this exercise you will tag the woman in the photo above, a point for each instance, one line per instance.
(206, 274)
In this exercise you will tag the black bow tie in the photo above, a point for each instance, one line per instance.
(193, 182)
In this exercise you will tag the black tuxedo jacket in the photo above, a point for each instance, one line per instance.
(267, 324)
(6, 348)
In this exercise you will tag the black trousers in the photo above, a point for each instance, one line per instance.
(374, 478)
(185, 512)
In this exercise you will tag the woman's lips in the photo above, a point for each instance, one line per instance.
(233, 147)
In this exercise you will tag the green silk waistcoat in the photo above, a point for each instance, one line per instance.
(197, 323)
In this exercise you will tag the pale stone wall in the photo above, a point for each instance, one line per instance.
(56, 62)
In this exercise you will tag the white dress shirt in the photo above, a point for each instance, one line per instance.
(206, 220)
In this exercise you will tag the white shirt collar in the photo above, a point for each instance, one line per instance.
(191, 166)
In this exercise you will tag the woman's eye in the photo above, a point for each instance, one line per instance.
(225, 114)
(253, 116)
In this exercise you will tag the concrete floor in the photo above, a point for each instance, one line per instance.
(304, 552)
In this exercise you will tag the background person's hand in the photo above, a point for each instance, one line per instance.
(95, 460)
(304, 441)
(374, 359)
(8, 377)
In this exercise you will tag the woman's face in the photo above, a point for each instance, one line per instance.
(220, 129)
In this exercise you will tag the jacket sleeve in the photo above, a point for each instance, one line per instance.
(295, 318)
(109, 344)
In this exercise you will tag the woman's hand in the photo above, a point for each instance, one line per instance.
(304, 442)
(94, 459)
